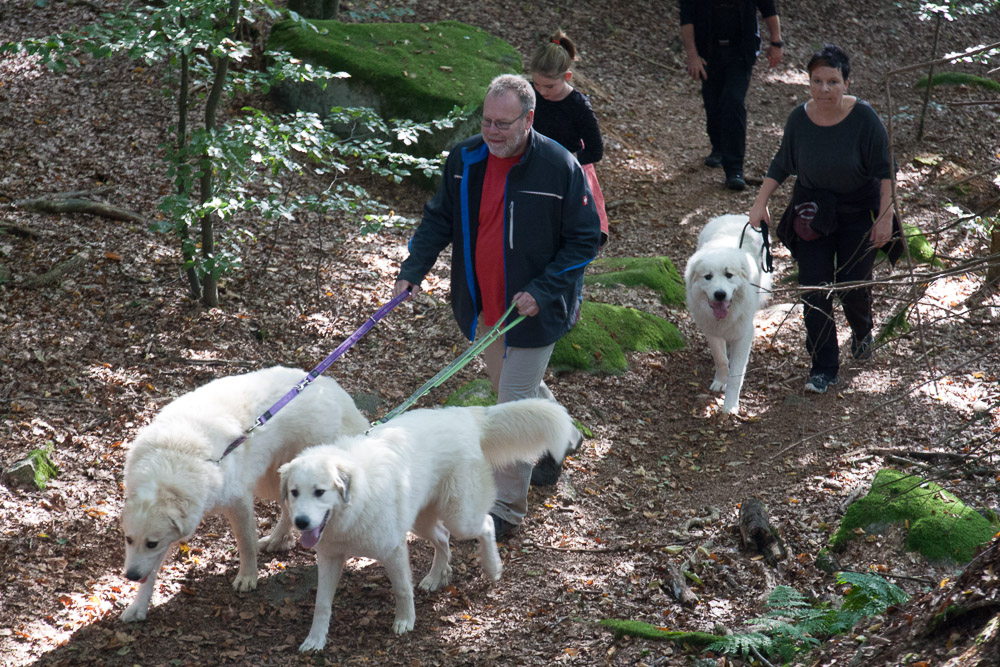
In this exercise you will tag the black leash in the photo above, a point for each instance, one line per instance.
(767, 260)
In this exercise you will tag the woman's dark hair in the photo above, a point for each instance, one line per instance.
(833, 56)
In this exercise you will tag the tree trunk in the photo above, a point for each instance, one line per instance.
(183, 180)
(315, 9)
(930, 76)
(210, 282)
(993, 273)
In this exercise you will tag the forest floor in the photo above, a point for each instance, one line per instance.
(86, 362)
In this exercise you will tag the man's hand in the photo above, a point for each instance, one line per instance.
(403, 285)
(774, 54)
(526, 304)
(696, 67)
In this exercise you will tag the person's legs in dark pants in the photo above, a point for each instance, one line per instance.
(730, 73)
(855, 259)
(816, 267)
(711, 94)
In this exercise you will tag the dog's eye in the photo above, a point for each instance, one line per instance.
(319, 493)
(151, 544)
(728, 275)
(708, 277)
(128, 540)
(295, 493)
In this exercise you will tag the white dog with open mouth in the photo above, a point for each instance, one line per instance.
(429, 471)
(173, 477)
(725, 287)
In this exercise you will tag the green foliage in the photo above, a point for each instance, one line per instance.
(792, 624)
(45, 469)
(941, 526)
(959, 79)
(869, 595)
(228, 172)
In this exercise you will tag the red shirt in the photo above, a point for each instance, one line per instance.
(489, 239)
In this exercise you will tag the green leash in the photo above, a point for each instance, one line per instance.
(456, 365)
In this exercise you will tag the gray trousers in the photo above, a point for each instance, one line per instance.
(519, 375)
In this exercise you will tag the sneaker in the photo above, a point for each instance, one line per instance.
(818, 382)
(503, 529)
(736, 182)
(546, 471)
(714, 160)
(862, 349)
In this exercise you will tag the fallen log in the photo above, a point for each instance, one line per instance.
(72, 205)
(58, 272)
(757, 533)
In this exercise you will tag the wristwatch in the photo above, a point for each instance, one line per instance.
(778, 44)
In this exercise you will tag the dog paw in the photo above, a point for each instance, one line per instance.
(436, 580)
(718, 386)
(402, 625)
(313, 643)
(273, 543)
(731, 409)
(245, 582)
(134, 613)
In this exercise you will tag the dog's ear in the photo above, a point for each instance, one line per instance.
(176, 506)
(342, 482)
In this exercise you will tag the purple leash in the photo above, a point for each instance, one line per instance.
(316, 372)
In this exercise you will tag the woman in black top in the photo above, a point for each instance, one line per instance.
(841, 209)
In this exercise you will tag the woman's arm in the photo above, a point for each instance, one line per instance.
(759, 212)
(882, 229)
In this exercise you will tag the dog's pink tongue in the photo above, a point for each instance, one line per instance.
(720, 309)
(310, 538)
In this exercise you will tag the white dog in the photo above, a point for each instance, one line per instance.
(173, 477)
(725, 287)
(429, 471)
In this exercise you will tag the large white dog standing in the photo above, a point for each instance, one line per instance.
(725, 288)
(429, 471)
(173, 479)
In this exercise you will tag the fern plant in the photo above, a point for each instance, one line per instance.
(792, 624)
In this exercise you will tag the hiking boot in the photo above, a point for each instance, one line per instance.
(862, 349)
(546, 471)
(502, 529)
(736, 182)
(714, 160)
(818, 382)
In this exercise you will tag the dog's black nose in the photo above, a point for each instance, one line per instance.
(301, 522)
(720, 295)
(132, 575)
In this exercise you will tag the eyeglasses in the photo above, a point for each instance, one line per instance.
(501, 124)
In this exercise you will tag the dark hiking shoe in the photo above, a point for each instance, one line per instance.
(862, 349)
(714, 160)
(818, 382)
(736, 182)
(502, 529)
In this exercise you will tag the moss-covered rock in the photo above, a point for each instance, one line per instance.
(604, 333)
(657, 273)
(921, 250)
(477, 392)
(418, 71)
(941, 527)
(696, 640)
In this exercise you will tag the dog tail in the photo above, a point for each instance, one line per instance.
(524, 430)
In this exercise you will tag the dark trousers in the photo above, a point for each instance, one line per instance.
(724, 95)
(846, 255)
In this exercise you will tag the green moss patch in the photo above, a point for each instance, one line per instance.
(941, 527)
(421, 70)
(657, 273)
(604, 333)
(696, 640)
(477, 392)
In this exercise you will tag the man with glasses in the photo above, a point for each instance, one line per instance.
(516, 208)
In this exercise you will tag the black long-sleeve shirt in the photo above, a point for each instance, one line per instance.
(571, 123)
